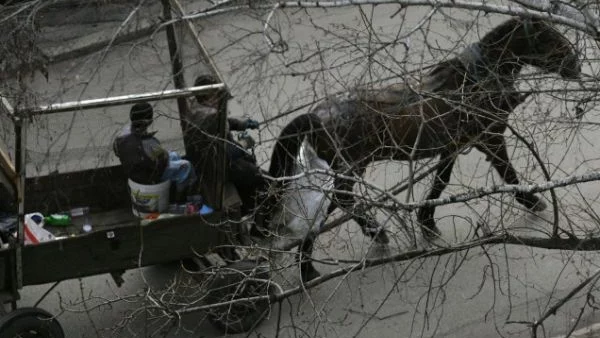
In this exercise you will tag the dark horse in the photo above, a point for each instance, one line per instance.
(461, 102)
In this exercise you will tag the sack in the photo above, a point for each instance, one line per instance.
(34, 233)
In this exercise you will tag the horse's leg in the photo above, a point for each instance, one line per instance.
(307, 270)
(495, 149)
(369, 225)
(342, 198)
(440, 181)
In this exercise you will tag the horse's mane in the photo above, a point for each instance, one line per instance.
(437, 78)
(502, 32)
(499, 36)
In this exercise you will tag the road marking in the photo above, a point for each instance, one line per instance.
(586, 332)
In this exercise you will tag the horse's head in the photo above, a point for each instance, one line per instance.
(548, 49)
(535, 42)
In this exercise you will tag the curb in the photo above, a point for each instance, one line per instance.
(586, 332)
(145, 25)
(96, 41)
(103, 25)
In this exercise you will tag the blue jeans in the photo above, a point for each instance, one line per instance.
(179, 172)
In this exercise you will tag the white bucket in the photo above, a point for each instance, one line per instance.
(147, 199)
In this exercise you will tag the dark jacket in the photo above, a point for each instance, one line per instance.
(143, 158)
(206, 118)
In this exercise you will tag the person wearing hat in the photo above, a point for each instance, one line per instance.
(144, 159)
(242, 169)
(205, 109)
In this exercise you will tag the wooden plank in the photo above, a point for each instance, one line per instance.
(8, 287)
(8, 168)
(123, 248)
(10, 180)
(201, 49)
(5, 270)
(176, 64)
(101, 188)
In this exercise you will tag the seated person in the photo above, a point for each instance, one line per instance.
(143, 158)
(242, 169)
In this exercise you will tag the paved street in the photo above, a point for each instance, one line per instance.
(482, 292)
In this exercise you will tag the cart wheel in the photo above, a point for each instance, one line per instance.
(239, 280)
(30, 322)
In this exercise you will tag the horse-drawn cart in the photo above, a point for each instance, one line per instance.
(118, 240)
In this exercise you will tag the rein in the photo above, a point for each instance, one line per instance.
(527, 28)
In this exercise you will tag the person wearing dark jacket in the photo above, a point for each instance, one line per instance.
(144, 159)
(242, 169)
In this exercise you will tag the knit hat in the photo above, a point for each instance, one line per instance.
(205, 80)
(141, 114)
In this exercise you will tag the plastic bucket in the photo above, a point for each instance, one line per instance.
(147, 199)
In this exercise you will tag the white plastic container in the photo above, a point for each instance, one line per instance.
(147, 199)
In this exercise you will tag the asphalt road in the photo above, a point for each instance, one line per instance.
(484, 292)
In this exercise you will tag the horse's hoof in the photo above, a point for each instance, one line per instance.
(376, 232)
(309, 274)
(531, 202)
(378, 251)
(539, 206)
(381, 237)
(431, 232)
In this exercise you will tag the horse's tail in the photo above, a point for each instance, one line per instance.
(289, 142)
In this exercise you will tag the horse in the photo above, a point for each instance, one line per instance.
(462, 102)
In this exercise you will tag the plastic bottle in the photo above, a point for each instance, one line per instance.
(57, 220)
(81, 211)
(205, 210)
(84, 213)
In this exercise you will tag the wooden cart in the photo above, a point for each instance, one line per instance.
(115, 243)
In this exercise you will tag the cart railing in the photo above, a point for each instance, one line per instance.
(122, 100)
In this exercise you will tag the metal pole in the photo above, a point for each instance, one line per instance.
(120, 100)
(20, 155)
(221, 173)
(177, 67)
(203, 52)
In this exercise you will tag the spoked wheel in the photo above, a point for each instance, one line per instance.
(28, 323)
(239, 280)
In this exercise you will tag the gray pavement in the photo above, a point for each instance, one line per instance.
(485, 292)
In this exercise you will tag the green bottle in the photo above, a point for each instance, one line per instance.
(57, 219)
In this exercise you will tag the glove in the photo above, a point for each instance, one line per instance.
(251, 124)
(174, 156)
(246, 140)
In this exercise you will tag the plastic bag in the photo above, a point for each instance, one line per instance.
(34, 231)
(303, 206)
